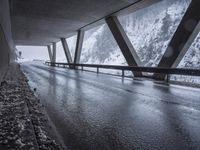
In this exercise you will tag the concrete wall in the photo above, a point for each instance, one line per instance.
(6, 42)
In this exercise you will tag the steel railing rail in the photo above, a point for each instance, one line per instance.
(167, 71)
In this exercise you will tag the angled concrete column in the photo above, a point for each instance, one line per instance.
(79, 44)
(187, 45)
(66, 50)
(178, 46)
(54, 53)
(50, 52)
(124, 43)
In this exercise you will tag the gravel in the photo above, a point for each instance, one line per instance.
(24, 124)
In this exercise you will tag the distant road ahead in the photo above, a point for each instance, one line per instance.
(102, 112)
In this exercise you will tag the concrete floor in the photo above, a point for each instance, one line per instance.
(102, 112)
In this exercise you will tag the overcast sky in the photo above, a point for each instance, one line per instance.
(40, 52)
(33, 52)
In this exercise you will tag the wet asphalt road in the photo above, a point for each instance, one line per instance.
(102, 112)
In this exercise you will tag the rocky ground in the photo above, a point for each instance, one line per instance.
(24, 124)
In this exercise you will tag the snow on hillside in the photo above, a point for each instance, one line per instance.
(101, 48)
(149, 30)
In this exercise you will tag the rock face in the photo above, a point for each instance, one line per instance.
(149, 30)
(23, 122)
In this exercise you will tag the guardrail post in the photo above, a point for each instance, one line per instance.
(122, 73)
(54, 53)
(97, 69)
(168, 78)
(82, 68)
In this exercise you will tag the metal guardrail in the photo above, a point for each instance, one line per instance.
(167, 71)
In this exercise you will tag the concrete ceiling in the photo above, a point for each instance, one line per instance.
(41, 22)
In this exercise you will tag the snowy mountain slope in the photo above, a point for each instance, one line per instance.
(101, 48)
(149, 30)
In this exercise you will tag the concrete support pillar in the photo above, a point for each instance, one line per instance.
(7, 47)
(66, 50)
(79, 44)
(50, 52)
(124, 43)
(178, 46)
(187, 45)
(54, 53)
